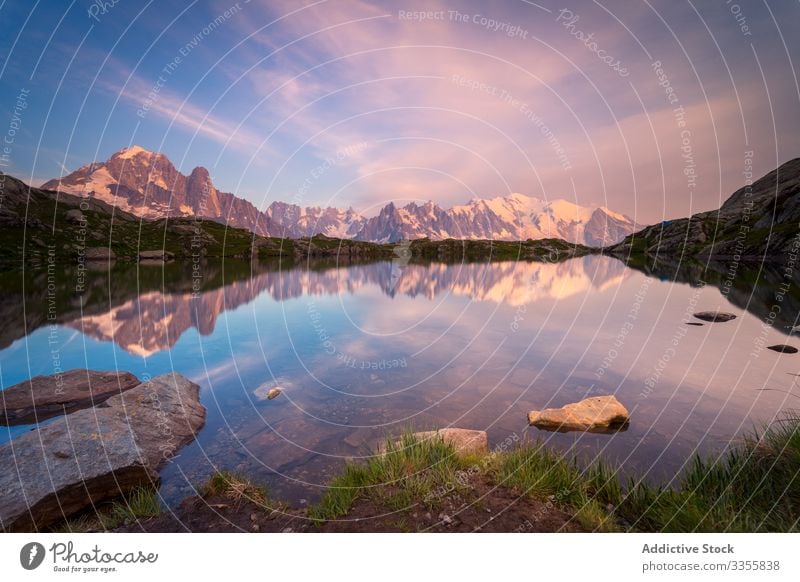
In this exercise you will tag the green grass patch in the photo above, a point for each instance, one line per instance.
(141, 503)
(753, 487)
(409, 471)
(543, 474)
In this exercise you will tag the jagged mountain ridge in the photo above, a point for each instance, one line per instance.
(147, 184)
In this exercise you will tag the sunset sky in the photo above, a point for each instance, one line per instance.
(657, 114)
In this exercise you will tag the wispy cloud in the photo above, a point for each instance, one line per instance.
(149, 99)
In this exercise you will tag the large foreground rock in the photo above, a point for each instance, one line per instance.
(96, 454)
(596, 414)
(44, 397)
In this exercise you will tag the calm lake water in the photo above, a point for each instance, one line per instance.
(364, 351)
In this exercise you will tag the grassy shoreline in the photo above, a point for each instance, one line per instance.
(427, 486)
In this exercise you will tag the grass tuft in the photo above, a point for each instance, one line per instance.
(141, 503)
(235, 487)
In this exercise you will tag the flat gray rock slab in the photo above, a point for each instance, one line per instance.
(96, 454)
(44, 397)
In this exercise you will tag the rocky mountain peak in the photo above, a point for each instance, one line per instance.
(132, 152)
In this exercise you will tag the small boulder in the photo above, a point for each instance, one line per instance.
(99, 254)
(715, 316)
(75, 216)
(596, 414)
(783, 348)
(267, 393)
(157, 255)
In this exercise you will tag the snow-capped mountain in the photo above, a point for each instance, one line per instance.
(148, 185)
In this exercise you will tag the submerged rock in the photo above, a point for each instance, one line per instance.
(783, 348)
(596, 414)
(96, 454)
(267, 393)
(44, 397)
(715, 316)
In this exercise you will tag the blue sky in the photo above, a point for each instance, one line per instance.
(358, 103)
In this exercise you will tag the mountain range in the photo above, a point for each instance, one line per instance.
(148, 185)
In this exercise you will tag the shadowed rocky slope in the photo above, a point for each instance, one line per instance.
(759, 222)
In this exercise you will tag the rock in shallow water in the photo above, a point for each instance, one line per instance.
(44, 397)
(715, 316)
(783, 348)
(597, 414)
(96, 454)
(267, 393)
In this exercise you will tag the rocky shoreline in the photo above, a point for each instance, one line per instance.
(92, 455)
(96, 469)
(432, 482)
